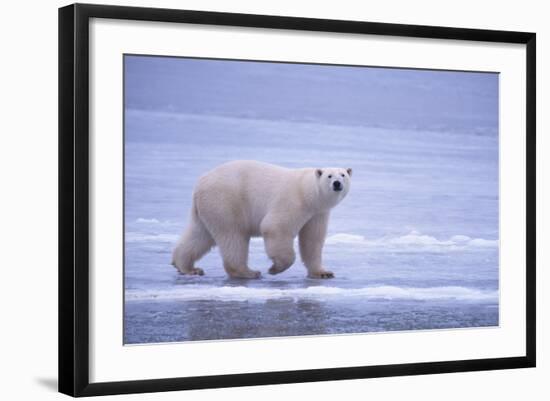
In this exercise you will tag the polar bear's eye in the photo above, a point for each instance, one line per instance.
(330, 176)
(343, 175)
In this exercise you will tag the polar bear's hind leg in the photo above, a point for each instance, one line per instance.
(234, 251)
(194, 244)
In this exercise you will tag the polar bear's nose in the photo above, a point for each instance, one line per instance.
(337, 185)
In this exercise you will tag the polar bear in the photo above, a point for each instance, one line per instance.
(243, 199)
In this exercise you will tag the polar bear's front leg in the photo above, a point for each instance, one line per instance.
(279, 246)
(311, 239)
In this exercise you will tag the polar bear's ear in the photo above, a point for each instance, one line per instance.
(318, 172)
(349, 170)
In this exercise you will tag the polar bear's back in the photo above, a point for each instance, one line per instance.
(246, 175)
(245, 189)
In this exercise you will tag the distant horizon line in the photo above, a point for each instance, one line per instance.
(124, 55)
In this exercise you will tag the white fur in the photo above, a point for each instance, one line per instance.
(243, 199)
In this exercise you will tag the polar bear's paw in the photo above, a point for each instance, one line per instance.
(321, 274)
(276, 269)
(194, 271)
(252, 274)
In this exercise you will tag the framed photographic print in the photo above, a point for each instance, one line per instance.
(251, 199)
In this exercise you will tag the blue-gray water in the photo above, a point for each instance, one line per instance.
(413, 246)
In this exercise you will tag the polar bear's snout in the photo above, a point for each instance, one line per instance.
(337, 186)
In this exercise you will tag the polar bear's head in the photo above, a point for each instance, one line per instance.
(334, 183)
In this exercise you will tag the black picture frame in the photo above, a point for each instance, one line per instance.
(74, 198)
